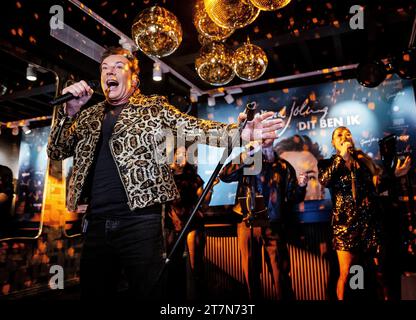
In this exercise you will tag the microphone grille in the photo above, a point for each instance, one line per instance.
(251, 105)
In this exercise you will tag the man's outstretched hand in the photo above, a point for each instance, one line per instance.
(263, 128)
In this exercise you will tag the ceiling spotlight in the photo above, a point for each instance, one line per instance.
(229, 98)
(371, 74)
(31, 73)
(211, 101)
(26, 129)
(193, 95)
(157, 72)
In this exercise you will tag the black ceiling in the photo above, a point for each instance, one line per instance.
(304, 36)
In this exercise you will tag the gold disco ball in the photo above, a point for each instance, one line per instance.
(250, 62)
(157, 32)
(206, 27)
(232, 14)
(203, 40)
(270, 5)
(214, 64)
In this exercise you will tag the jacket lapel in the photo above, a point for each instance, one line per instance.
(97, 112)
(95, 118)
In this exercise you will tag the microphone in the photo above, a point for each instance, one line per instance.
(249, 111)
(94, 84)
(351, 150)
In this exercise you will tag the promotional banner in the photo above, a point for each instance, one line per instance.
(32, 172)
(311, 113)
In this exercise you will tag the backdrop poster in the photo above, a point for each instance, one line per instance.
(32, 172)
(312, 113)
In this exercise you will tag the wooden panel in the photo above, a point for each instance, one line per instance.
(308, 253)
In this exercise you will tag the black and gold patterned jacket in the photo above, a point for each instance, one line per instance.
(137, 145)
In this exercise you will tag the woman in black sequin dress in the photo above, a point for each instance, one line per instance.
(351, 177)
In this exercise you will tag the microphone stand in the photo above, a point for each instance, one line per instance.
(208, 187)
(353, 175)
(251, 206)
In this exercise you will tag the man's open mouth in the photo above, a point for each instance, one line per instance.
(112, 84)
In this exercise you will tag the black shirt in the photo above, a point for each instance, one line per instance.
(108, 196)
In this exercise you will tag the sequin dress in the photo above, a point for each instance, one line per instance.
(354, 221)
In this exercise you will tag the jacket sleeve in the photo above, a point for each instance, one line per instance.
(62, 139)
(329, 169)
(206, 131)
(199, 187)
(232, 171)
(387, 180)
(294, 192)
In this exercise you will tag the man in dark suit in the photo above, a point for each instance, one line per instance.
(276, 189)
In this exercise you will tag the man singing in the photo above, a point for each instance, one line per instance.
(117, 146)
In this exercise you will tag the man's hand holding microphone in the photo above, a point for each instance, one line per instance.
(81, 92)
